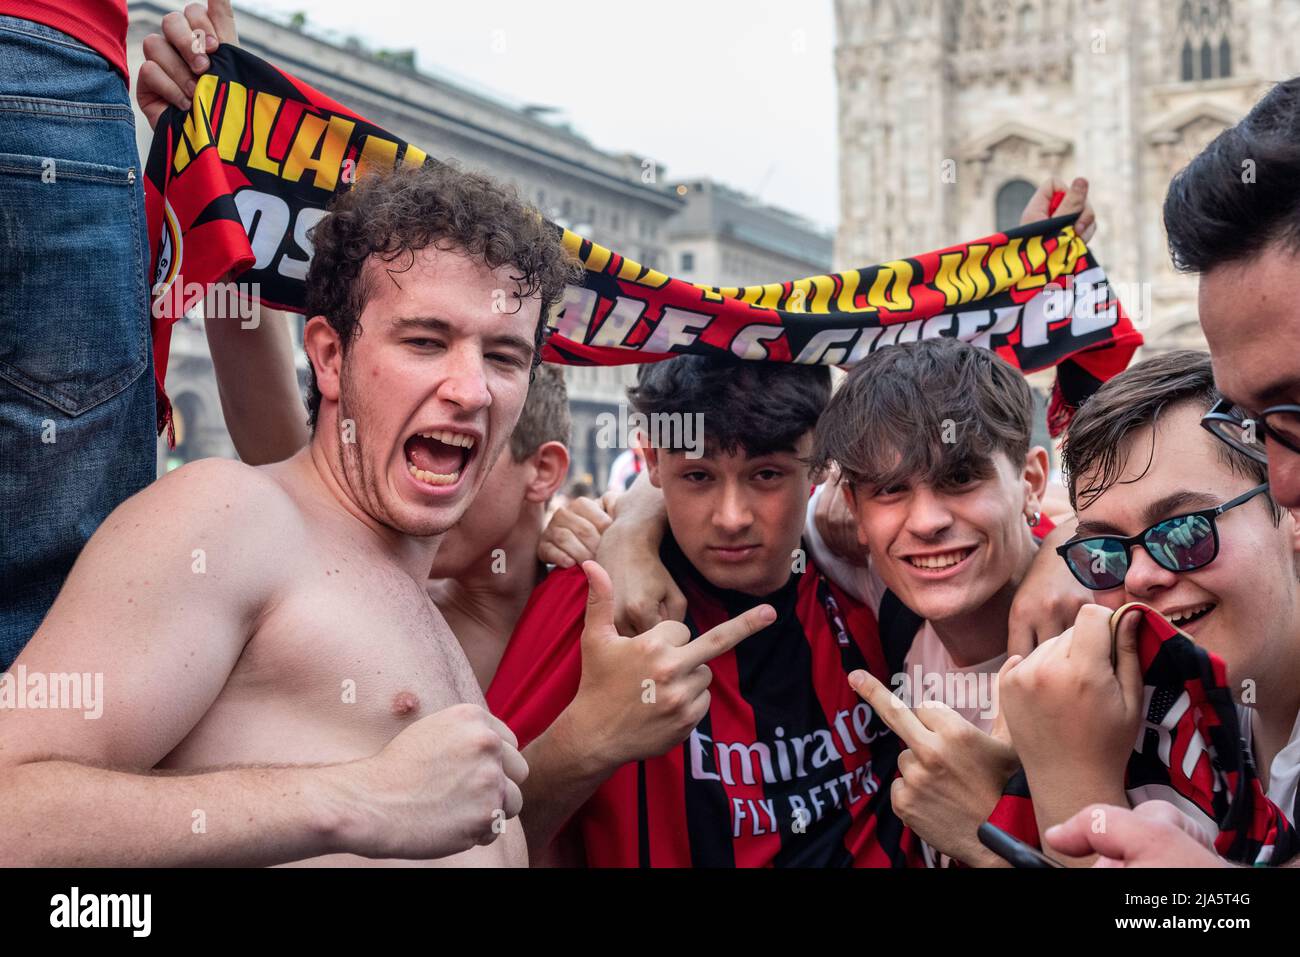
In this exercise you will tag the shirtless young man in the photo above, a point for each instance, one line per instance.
(479, 590)
(272, 664)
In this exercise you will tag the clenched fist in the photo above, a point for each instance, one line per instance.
(445, 784)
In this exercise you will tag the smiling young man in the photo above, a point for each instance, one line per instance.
(932, 441)
(1168, 516)
(273, 622)
(683, 746)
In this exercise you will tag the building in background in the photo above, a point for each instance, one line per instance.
(723, 237)
(700, 231)
(951, 112)
(618, 200)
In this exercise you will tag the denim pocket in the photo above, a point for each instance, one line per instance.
(73, 298)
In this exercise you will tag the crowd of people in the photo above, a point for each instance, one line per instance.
(369, 642)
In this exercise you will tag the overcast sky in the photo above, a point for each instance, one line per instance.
(742, 91)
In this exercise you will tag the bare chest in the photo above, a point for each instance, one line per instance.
(334, 671)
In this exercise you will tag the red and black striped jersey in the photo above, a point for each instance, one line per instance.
(788, 767)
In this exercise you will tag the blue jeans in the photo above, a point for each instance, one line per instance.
(76, 392)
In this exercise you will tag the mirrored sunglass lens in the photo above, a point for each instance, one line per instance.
(1181, 544)
(1100, 562)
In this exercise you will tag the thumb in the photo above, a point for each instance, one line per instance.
(1000, 731)
(600, 602)
(1126, 625)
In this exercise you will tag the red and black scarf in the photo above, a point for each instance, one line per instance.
(233, 187)
(1191, 753)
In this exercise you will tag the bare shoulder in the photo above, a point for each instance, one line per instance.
(215, 516)
(161, 602)
(221, 495)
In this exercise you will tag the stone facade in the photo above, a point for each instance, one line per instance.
(947, 105)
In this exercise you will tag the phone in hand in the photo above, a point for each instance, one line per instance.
(1011, 849)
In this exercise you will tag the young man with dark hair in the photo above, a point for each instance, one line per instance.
(273, 622)
(1233, 217)
(932, 439)
(683, 746)
(932, 445)
(1168, 516)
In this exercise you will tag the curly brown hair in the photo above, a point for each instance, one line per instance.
(392, 215)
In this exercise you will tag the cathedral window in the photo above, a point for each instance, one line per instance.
(1204, 39)
(1012, 199)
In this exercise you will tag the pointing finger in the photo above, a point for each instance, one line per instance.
(892, 710)
(724, 637)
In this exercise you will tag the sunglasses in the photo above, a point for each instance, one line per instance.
(1234, 426)
(1179, 544)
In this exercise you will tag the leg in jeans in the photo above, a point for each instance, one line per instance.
(76, 390)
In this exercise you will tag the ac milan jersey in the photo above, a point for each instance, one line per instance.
(788, 767)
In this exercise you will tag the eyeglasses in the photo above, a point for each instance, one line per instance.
(1234, 426)
(1179, 544)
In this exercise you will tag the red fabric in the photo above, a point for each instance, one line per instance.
(1190, 749)
(100, 24)
(539, 676)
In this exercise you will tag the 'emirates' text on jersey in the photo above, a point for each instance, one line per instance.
(788, 767)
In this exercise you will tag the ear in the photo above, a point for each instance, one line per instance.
(1293, 516)
(652, 464)
(324, 350)
(548, 467)
(851, 499)
(1034, 476)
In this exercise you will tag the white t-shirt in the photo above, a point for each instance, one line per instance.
(1284, 771)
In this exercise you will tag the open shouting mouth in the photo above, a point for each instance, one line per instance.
(438, 457)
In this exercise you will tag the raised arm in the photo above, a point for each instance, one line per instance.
(258, 384)
(252, 351)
